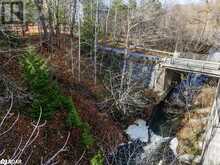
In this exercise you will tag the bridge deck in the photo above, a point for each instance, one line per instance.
(195, 66)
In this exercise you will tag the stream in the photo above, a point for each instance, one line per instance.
(144, 147)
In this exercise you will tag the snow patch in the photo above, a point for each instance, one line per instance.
(214, 57)
(139, 130)
(173, 145)
(152, 143)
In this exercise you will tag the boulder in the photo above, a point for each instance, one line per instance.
(189, 159)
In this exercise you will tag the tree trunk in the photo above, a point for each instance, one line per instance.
(96, 40)
(50, 18)
(73, 17)
(79, 53)
(42, 18)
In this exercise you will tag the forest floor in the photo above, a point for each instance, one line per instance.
(107, 133)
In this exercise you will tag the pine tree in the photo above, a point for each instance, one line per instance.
(132, 4)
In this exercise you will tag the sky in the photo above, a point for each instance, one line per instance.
(173, 1)
(183, 1)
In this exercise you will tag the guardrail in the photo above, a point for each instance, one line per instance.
(188, 65)
(192, 63)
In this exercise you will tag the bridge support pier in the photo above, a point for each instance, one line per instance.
(163, 79)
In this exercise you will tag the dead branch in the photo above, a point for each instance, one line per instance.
(51, 161)
(30, 139)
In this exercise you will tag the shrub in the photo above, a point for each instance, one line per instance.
(73, 118)
(86, 137)
(97, 159)
(45, 92)
(9, 39)
(47, 96)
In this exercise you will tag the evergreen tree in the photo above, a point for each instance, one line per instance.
(30, 10)
(132, 4)
(88, 25)
(118, 5)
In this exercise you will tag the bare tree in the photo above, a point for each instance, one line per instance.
(96, 40)
(39, 4)
(79, 33)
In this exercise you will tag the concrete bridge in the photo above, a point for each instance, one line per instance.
(208, 68)
(166, 71)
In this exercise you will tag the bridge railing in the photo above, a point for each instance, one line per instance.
(190, 63)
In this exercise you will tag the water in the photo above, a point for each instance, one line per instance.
(144, 147)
